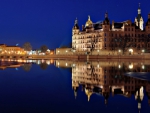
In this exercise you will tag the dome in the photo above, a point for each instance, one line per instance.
(89, 23)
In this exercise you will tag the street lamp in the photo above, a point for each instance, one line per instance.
(143, 50)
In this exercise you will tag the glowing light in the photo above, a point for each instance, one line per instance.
(143, 50)
(130, 66)
(119, 66)
(143, 67)
(131, 50)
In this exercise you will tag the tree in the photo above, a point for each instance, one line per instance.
(44, 48)
(27, 46)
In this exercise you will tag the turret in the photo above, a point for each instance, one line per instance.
(106, 20)
(106, 23)
(139, 20)
(75, 29)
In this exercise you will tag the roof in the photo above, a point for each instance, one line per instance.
(118, 25)
(106, 20)
(76, 26)
(97, 26)
(138, 17)
(148, 21)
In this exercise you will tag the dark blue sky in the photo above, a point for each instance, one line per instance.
(50, 22)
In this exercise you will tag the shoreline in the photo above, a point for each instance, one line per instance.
(84, 57)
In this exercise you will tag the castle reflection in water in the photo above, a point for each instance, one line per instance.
(105, 78)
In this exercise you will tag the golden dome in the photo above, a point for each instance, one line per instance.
(89, 23)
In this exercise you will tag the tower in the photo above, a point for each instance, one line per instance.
(75, 29)
(106, 23)
(139, 19)
(89, 23)
(106, 20)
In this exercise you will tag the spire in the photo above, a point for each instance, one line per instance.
(106, 14)
(139, 9)
(76, 24)
(106, 20)
(89, 17)
(139, 5)
(76, 21)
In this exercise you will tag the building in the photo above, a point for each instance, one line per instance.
(112, 38)
(11, 50)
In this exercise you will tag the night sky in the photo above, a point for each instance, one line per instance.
(50, 22)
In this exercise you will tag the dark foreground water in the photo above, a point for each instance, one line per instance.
(74, 87)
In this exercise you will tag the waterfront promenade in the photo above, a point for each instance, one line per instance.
(84, 57)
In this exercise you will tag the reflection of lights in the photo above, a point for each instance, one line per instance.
(48, 62)
(58, 63)
(73, 65)
(119, 66)
(130, 66)
(66, 64)
(143, 67)
(39, 62)
(98, 65)
(119, 50)
(97, 50)
(66, 51)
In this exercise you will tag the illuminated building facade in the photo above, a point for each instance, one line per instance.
(108, 38)
(4, 49)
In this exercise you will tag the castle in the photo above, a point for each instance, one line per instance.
(112, 38)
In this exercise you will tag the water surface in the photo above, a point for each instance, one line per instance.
(61, 86)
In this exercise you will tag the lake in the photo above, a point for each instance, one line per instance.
(62, 86)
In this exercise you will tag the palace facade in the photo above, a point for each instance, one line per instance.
(112, 38)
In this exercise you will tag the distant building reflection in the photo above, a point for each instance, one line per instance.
(105, 78)
(25, 64)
